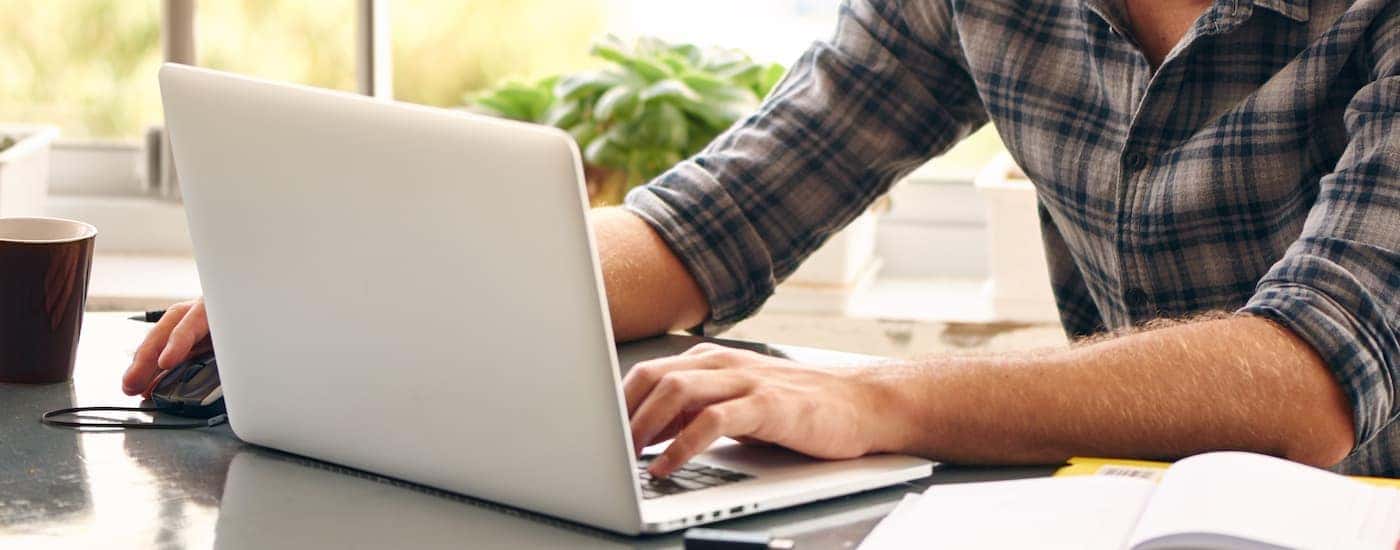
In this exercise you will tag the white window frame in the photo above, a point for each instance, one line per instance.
(937, 226)
(118, 185)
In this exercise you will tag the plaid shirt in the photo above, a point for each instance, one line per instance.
(1258, 170)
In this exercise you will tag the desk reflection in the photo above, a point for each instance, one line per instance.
(204, 488)
(35, 490)
(273, 500)
(185, 482)
(276, 500)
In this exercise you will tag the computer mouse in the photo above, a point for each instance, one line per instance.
(190, 389)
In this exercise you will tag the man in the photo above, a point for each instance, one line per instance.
(1223, 176)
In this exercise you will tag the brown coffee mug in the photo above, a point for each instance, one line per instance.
(44, 267)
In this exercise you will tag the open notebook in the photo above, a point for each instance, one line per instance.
(1226, 500)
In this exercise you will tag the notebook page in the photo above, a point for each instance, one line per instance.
(891, 523)
(1249, 497)
(1080, 513)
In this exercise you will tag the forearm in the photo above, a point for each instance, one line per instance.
(649, 290)
(1240, 383)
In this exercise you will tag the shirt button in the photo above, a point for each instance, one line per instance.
(1135, 298)
(1135, 161)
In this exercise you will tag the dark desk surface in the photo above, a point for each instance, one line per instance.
(205, 488)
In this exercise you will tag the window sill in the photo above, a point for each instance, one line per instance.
(129, 282)
(142, 226)
(952, 299)
(910, 318)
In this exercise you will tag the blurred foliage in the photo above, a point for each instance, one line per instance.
(6, 142)
(89, 66)
(86, 65)
(651, 106)
(444, 49)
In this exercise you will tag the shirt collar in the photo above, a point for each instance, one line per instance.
(1226, 15)
(1296, 10)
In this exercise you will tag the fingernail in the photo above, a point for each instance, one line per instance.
(658, 465)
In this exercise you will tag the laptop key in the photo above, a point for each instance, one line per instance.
(709, 480)
(667, 488)
(690, 485)
(690, 477)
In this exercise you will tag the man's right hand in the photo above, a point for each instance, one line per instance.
(183, 331)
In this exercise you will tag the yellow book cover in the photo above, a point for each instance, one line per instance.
(1147, 469)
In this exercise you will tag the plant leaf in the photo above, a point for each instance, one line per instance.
(618, 102)
(584, 133)
(721, 60)
(771, 76)
(564, 115)
(659, 125)
(603, 151)
(668, 89)
(586, 83)
(517, 100)
(647, 69)
(702, 82)
(721, 107)
(692, 54)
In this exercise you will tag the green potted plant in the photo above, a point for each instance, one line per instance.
(652, 105)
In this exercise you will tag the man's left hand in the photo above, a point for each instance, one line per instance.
(711, 391)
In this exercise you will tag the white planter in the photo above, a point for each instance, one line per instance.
(827, 282)
(24, 170)
(843, 257)
(1018, 284)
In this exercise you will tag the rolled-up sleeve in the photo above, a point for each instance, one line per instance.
(1338, 286)
(855, 113)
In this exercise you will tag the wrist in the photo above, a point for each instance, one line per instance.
(888, 406)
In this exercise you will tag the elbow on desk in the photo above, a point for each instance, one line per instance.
(1328, 439)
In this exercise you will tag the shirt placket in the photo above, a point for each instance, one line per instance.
(1155, 96)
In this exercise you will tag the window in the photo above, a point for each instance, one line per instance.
(772, 30)
(89, 66)
(446, 49)
(291, 40)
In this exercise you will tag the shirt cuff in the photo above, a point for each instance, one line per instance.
(707, 230)
(1341, 340)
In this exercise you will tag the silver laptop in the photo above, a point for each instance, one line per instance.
(415, 292)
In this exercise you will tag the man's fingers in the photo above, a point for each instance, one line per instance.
(703, 347)
(678, 392)
(736, 418)
(143, 364)
(193, 328)
(674, 427)
(645, 375)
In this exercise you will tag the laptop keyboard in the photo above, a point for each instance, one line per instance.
(692, 476)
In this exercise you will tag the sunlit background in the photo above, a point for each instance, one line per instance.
(88, 67)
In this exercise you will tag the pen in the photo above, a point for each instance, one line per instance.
(719, 539)
(151, 316)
